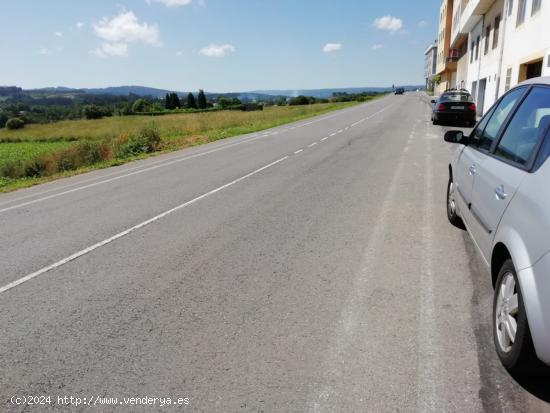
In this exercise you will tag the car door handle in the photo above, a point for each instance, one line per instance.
(472, 170)
(501, 193)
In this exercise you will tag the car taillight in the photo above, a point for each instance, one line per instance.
(441, 106)
(472, 107)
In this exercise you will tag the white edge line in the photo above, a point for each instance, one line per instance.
(129, 230)
(244, 139)
(116, 178)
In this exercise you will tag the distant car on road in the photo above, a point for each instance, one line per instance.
(399, 91)
(499, 190)
(454, 106)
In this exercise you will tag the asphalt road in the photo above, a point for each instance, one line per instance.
(308, 268)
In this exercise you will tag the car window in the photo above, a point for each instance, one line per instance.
(485, 134)
(544, 153)
(531, 120)
(456, 97)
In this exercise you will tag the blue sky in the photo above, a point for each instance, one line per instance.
(217, 45)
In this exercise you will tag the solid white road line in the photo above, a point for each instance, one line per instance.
(116, 178)
(132, 229)
(161, 163)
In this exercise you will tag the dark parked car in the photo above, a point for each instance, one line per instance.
(399, 91)
(454, 106)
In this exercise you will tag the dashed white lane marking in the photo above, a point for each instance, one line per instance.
(333, 134)
(312, 144)
(132, 229)
(159, 164)
(324, 139)
(116, 178)
(298, 151)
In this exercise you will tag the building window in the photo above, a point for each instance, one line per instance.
(487, 38)
(478, 40)
(510, 7)
(522, 6)
(508, 79)
(472, 52)
(536, 6)
(496, 33)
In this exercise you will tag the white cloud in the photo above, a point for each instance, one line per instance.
(117, 32)
(111, 49)
(332, 47)
(217, 50)
(44, 51)
(59, 34)
(172, 3)
(389, 23)
(79, 25)
(422, 23)
(179, 53)
(377, 46)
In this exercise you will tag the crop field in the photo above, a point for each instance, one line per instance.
(22, 151)
(210, 124)
(41, 152)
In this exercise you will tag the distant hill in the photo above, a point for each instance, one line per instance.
(144, 91)
(245, 96)
(327, 93)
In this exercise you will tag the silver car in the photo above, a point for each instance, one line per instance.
(499, 190)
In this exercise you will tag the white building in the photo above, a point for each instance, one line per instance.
(527, 44)
(499, 43)
(430, 63)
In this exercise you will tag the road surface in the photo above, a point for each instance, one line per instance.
(308, 268)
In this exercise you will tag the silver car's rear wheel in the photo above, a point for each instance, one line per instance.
(506, 313)
(511, 333)
(452, 211)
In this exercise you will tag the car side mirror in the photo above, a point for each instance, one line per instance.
(432, 101)
(456, 136)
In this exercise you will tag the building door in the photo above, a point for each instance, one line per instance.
(481, 96)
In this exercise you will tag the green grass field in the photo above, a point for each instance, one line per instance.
(177, 131)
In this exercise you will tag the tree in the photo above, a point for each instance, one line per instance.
(172, 101)
(201, 100)
(168, 101)
(226, 102)
(300, 100)
(191, 101)
(140, 105)
(176, 101)
(14, 123)
(92, 112)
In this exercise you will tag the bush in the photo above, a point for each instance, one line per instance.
(145, 141)
(301, 100)
(140, 105)
(93, 112)
(15, 123)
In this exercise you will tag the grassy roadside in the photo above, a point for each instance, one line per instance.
(53, 141)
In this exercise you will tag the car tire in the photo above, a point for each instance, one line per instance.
(516, 353)
(452, 213)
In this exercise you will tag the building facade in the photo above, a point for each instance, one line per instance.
(430, 62)
(527, 42)
(446, 65)
(497, 44)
